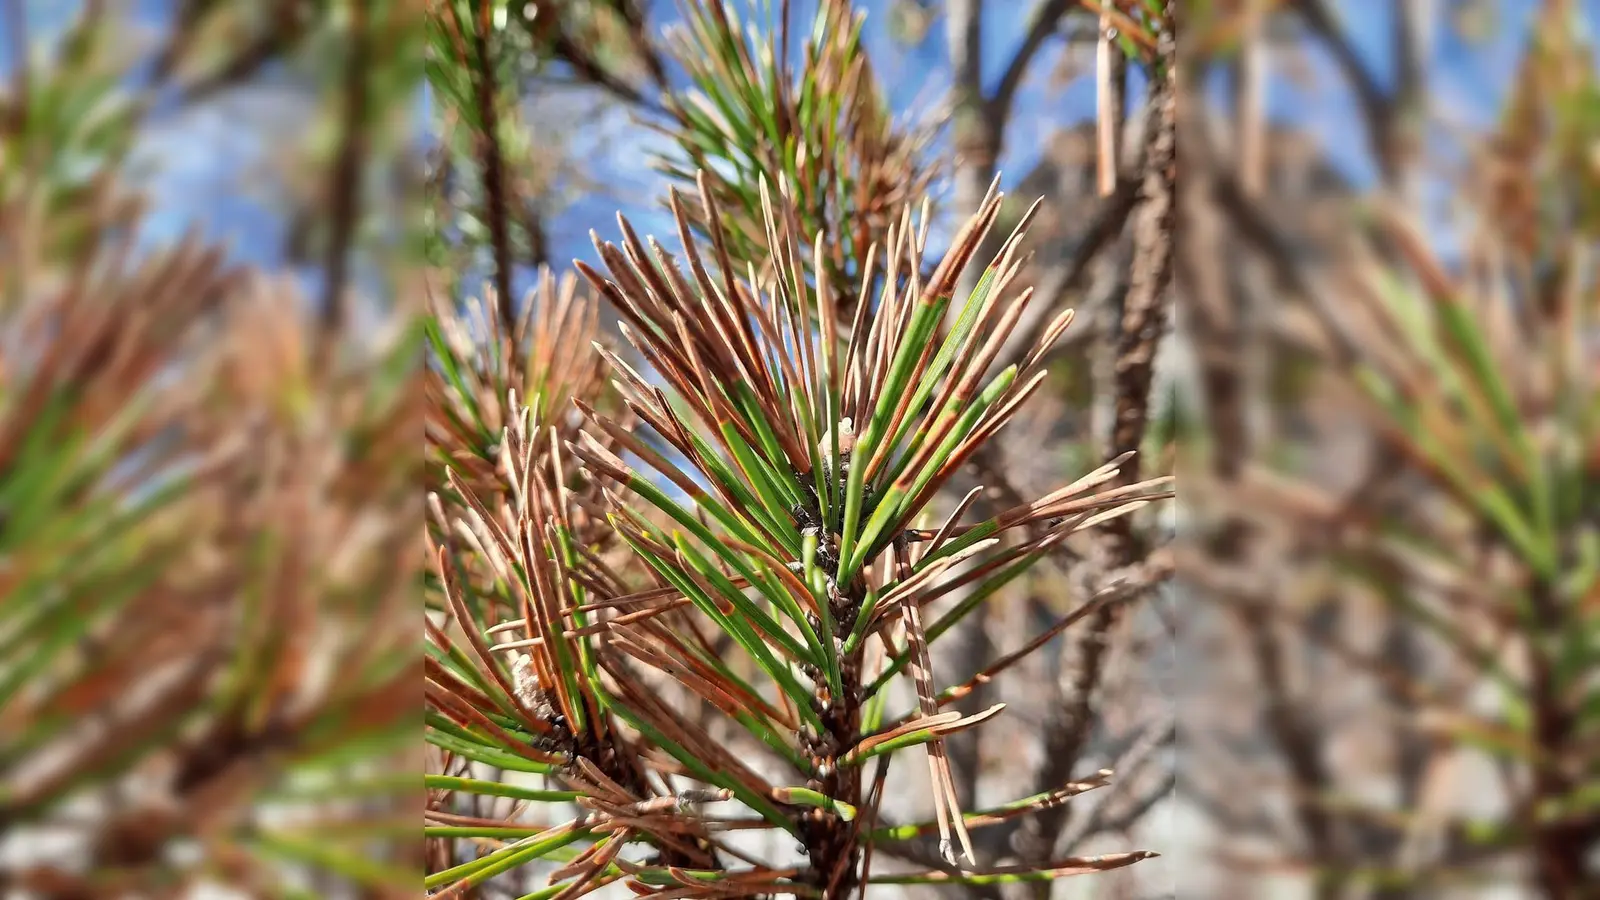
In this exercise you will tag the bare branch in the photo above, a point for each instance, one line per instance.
(1383, 112)
(1047, 18)
(1143, 323)
(498, 212)
(345, 180)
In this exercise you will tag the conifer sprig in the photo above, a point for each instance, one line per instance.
(823, 131)
(769, 570)
(811, 516)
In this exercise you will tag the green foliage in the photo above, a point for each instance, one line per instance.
(793, 545)
(701, 590)
(823, 135)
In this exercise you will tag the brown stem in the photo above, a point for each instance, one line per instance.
(1143, 323)
(346, 179)
(1561, 849)
(830, 841)
(498, 210)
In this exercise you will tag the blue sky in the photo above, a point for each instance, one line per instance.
(204, 163)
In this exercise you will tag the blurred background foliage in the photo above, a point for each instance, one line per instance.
(1400, 547)
(208, 482)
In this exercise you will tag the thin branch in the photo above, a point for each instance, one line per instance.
(1047, 19)
(1377, 108)
(345, 178)
(1144, 318)
(1102, 823)
(498, 211)
(1143, 322)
